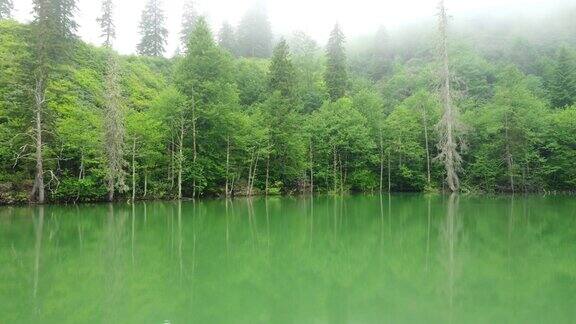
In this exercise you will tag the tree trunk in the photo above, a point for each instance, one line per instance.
(171, 175)
(334, 163)
(227, 194)
(180, 158)
(254, 174)
(389, 180)
(38, 188)
(134, 169)
(311, 169)
(114, 129)
(341, 174)
(267, 174)
(447, 145)
(194, 149)
(427, 147)
(145, 182)
(508, 155)
(381, 161)
(249, 175)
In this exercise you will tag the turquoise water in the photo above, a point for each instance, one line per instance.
(353, 259)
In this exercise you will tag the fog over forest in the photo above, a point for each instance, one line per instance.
(109, 100)
(359, 19)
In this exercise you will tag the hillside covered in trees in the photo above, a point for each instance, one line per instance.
(241, 111)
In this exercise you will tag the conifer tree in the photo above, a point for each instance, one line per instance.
(189, 18)
(227, 38)
(563, 88)
(6, 7)
(53, 30)
(336, 75)
(282, 74)
(106, 22)
(152, 29)
(255, 34)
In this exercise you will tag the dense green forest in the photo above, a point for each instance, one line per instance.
(241, 111)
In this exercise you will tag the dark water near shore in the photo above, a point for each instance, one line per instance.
(356, 259)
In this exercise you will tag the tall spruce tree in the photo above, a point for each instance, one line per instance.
(189, 18)
(152, 29)
(53, 30)
(227, 38)
(106, 22)
(336, 75)
(563, 87)
(282, 75)
(255, 34)
(6, 7)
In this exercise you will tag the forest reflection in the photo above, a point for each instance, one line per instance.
(294, 259)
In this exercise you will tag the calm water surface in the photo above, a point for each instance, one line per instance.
(357, 259)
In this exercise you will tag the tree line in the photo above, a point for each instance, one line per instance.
(244, 113)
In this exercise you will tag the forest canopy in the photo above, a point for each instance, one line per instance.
(242, 111)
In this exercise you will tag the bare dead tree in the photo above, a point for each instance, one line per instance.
(114, 130)
(449, 124)
(39, 100)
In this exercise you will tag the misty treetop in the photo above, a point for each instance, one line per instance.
(242, 111)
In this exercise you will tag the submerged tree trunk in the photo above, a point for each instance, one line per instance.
(39, 96)
(448, 143)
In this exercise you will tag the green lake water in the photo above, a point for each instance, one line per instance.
(354, 259)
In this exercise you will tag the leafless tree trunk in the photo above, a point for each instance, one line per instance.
(227, 166)
(145, 182)
(171, 172)
(448, 142)
(114, 129)
(180, 157)
(311, 169)
(381, 161)
(389, 166)
(425, 122)
(251, 182)
(194, 149)
(134, 169)
(267, 174)
(508, 154)
(334, 164)
(39, 97)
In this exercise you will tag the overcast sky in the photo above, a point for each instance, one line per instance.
(315, 17)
